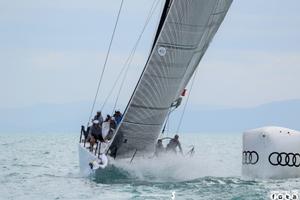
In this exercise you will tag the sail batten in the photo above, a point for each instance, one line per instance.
(185, 31)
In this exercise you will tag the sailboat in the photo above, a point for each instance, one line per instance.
(184, 32)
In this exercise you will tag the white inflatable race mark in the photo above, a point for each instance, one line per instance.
(271, 152)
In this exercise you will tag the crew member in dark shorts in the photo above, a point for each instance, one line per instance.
(173, 144)
(95, 133)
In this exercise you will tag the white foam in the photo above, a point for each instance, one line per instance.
(212, 158)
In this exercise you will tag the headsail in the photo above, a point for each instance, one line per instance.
(187, 28)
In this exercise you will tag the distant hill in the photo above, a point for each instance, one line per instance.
(283, 113)
(46, 118)
(68, 118)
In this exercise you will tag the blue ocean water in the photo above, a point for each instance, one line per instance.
(36, 166)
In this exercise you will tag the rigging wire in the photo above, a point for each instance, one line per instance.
(185, 105)
(167, 122)
(151, 12)
(105, 62)
(122, 82)
(129, 59)
(107, 149)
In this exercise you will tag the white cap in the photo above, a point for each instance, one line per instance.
(96, 122)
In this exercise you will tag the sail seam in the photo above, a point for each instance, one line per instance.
(189, 25)
(129, 122)
(179, 46)
(165, 77)
(150, 108)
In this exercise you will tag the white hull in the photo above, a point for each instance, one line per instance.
(85, 158)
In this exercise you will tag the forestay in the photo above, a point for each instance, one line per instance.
(186, 29)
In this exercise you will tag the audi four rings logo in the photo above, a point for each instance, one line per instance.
(285, 159)
(250, 157)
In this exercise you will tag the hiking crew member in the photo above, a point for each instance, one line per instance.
(99, 117)
(118, 117)
(95, 133)
(113, 124)
(173, 144)
(159, 148)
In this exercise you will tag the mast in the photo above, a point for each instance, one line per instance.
(185, 30)
(118, 138)
(162, 20)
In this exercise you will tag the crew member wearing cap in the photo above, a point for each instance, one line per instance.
(99, 117)
(95, 133)
(173, 144)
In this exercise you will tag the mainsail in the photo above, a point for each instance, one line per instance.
(185, 30)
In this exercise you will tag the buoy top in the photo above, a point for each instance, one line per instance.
(274, 130)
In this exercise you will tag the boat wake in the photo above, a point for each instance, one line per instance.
(168, 168)
(113, 174)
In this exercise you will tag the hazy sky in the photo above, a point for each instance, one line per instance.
(53, 51)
